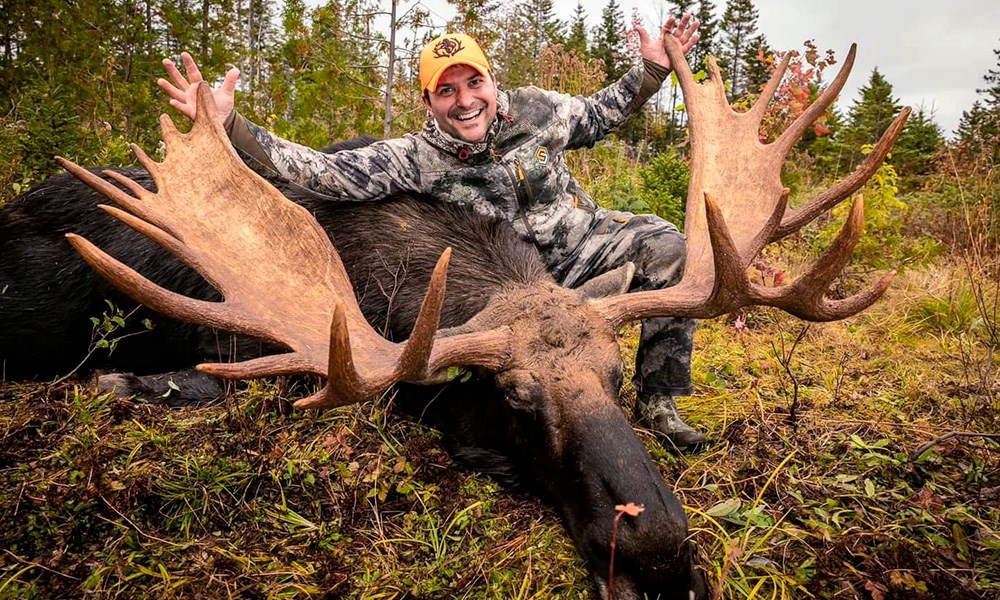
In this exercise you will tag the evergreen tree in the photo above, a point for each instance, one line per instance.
(979, 129)
(255, 27)
(530, 27)
(291, 60)
(544, 28)
(739, 28)
(979, 134)
(992, 77)
(869, 116)
(516, 49)
(914, 151)
(609, 42)
(708, 32)
(336, 88)
(576, 39)
(756, 66)
(208, 29)
(76, 80)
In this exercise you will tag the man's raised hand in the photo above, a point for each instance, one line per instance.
(183, 91)
(684, 29)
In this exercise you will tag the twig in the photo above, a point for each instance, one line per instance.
(632, 510)
(734, 552)
(40, 566)
(136, 527)
(916, 454)
(786, 361)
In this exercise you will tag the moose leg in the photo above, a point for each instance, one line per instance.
(187, 387)
(663, 361)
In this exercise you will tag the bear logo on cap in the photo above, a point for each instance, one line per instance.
(448, 47)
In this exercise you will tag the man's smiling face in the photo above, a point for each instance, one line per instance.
(464, 103)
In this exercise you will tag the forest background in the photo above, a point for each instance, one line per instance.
(857, 459)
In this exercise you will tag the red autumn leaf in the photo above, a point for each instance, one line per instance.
(877, 590)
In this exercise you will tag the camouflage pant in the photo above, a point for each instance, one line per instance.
(663, 362)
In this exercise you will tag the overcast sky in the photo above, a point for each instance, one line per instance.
(933, 53)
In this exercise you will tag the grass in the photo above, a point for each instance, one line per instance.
(111, 498)
(120, 499)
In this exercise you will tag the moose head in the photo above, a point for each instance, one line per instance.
(552, 352)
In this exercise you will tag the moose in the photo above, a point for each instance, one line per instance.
(321, 288)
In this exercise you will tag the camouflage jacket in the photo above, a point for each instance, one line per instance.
(518, 173)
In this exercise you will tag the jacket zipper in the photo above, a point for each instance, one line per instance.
(523, 195)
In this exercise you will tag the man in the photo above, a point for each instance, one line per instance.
(502, 153)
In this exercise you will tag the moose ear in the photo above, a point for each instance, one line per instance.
(612, 283)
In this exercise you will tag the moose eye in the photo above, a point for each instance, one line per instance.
(526, 397)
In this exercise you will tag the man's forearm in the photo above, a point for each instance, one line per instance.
(652, 80)
(244, 140)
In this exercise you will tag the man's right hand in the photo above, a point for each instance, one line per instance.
(183, 91)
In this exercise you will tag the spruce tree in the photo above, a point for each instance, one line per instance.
(576, 39)
(609, 42)
(756, 71)
(707, 34)
(480, 19)
(544, 28)
(738, 28)
(992, 92)
(518, 45)
(679, 7)
(870, 115)
(914, 151)
(979, 129)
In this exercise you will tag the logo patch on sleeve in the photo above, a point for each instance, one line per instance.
(542, 154)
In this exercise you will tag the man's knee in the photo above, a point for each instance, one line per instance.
(660, 259)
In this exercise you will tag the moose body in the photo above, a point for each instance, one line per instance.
(567, 440)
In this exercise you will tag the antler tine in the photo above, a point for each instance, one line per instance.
(138, 287)
(760, 105)
(143, 290)
(697, 295)
(346, 386)
(730, 164)
(791, 135)
(714, 85)
(413, 362)
(796, 218)
(265, 366)
(804, 297)
(121, 198)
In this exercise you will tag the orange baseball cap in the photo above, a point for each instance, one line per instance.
(445, 51)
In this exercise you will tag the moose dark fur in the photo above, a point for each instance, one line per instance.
(585, 459)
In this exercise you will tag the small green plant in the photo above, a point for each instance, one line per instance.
(107, 332)
(664, 186)
(884, 244)
(954, 313)
(609, 174)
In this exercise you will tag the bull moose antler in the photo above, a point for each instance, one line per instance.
(280, 277)
(736, 205)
